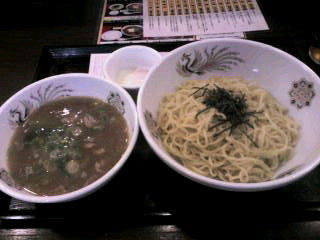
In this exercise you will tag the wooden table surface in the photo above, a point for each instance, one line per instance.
(29, 26)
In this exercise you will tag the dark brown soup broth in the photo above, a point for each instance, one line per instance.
(67, 144)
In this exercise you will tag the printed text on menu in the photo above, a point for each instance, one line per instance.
(197, 17)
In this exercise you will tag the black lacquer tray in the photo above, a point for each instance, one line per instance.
(147, 191)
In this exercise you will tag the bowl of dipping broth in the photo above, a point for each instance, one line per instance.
(233, 114)
(64, 137)
(129, 66)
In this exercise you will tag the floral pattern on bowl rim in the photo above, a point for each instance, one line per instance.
(302, 93)
(5, 177)
(152, 124)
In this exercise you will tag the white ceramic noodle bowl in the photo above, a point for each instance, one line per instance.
(75, 84)
(294, 85)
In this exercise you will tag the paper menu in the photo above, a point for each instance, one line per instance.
(199, 17)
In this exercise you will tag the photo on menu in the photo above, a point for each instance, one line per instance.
(121, 31)
(132, 31)
(116, 8)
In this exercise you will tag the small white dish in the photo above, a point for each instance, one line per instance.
(40, 92)
(111, 35)
(129, 66)
(114, 13)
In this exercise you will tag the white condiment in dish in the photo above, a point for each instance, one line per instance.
(132, 76)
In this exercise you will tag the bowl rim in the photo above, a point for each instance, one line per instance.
(210, 182)
(82, 192)
(120, 51)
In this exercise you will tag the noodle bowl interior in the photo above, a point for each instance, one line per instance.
(228, 129)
